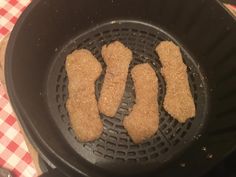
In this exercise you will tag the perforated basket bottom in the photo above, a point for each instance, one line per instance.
(115, 146)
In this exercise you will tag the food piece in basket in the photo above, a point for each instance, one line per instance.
(117, 58)
(142, 123)
(178, 101)
(83, 70)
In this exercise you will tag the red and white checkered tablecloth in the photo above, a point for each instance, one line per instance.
(14, 154)
(10, 10)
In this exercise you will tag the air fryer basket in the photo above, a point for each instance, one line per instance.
(37, 83)
(115, 147)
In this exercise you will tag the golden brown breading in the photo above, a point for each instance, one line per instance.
(83, 70)
(142, 123)
(117, 58)
(178, 101)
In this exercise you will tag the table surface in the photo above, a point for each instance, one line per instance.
(14, 154)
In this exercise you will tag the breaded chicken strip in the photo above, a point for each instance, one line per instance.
(142, 123)
(83, 70)
(117, 58)
(178, 101)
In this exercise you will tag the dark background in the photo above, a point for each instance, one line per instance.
(227, 168)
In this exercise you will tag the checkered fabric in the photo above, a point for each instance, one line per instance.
(14, 154)
(10, 10)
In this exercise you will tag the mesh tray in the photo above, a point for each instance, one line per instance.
(115, 146)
